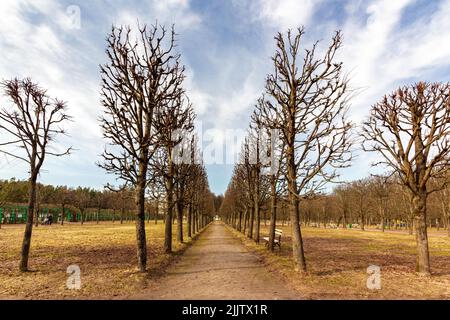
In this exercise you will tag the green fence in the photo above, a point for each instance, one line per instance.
(13, 214)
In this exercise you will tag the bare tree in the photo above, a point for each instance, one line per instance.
(156, 192)
(266, 121)
(192, 178)
(310, 102)
(359, 190)
(137, 82)
(380, 190)
(410, 130)
(64, 196)
(82, 201)
(184, 169)
(174, 121)
(31, 124)
(244, 173)
(254, 166)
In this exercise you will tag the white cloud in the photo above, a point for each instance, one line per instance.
(285, 14)
(167, 12)
(423, 45)
(365, 49)
(380, 55)
(364, 45)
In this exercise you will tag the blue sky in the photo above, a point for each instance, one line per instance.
(226, 47)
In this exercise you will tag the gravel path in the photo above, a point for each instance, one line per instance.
(218, 266)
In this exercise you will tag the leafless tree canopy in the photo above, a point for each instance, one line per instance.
(308, 103)
(33, 122)
(142, 77)
(410, 128)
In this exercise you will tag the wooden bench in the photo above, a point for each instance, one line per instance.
(276, 240)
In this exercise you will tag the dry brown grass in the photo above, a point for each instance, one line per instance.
(338, 259)
(106, 254)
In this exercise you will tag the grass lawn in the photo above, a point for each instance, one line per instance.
(105, 253)
(338, 259)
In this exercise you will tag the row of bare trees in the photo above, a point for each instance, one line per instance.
(147, 123)
(380, 201)
(369, 203)
(299, 136)
(299, 126)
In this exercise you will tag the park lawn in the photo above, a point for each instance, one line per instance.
(338, 259)
(105, 253)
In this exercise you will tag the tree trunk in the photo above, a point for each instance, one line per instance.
(420, 217)
(180, 208)
(240, 221)
(193, 220)
(294, 208)
(169, 216)
(168, 229)
(189, 221)
(297, 240)
(232, 220)
(411, 226)
(245, 220)
(273, 218)
(63, 207)
(344, 219)
(140, 220)
(251, 221)
(157, 211)
(29, 225)
(197, 220)
(257, 216)
(37, 216)
(362, 220)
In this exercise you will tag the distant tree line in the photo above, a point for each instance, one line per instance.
(361, 204)
(90, 204)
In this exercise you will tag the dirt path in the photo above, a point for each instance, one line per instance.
(218, 266)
